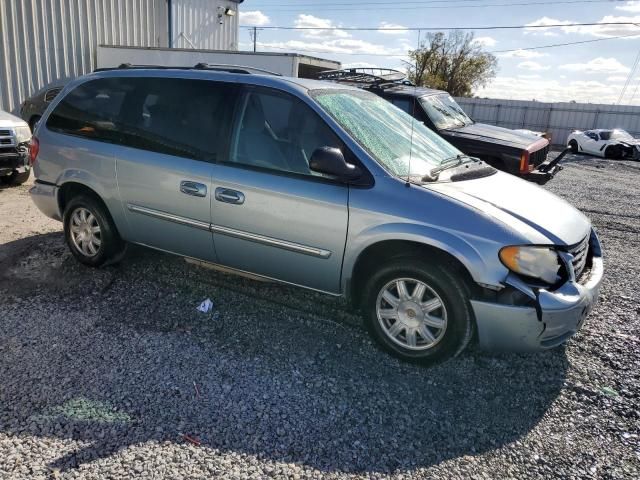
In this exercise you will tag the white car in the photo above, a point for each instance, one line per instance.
(614, 144)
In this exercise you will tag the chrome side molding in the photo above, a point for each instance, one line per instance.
(232, 232)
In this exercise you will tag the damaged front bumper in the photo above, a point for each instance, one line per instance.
(555, 316)
(547, 170)
(14, 159)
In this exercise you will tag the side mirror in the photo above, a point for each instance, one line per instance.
(330, 161)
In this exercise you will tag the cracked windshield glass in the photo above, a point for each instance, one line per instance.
(391, 136)
(444, 112)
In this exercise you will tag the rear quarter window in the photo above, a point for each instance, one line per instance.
(182, 117)
(90, 110)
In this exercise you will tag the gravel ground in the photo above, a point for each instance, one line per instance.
(113, 374)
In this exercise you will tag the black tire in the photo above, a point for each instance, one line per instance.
(447, 284)
(16, 178)
(574, 146)
(613, 152)
(111, 244)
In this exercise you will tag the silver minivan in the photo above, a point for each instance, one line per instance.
(322, 186)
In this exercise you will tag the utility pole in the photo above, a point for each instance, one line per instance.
(254, 36)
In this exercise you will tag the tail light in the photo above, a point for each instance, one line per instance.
(524, 161)
(34, 148)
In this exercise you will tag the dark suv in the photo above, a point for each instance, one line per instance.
(516, 152)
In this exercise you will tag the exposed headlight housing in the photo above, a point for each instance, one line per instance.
(536, 262)
(23, 134)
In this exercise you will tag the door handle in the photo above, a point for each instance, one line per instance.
(193, 188)
(229, 196)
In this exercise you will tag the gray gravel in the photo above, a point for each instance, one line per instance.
(114, 374)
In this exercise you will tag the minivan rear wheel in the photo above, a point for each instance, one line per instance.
(90, 232)
(417, 311)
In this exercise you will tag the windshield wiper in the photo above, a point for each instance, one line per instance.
(445, 165)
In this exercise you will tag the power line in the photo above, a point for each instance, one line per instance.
(553, 45)
(402, 29)
(422, 2)
(566, 44)
(632, 72)
(289, 8)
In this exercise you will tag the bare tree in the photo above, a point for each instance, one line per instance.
(454, 63)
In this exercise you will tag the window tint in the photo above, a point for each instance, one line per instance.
(90, 110)
(182, 117)
(279, 132)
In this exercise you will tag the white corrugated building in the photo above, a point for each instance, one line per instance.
(43, 41)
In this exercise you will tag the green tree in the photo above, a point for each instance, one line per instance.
(455, 63)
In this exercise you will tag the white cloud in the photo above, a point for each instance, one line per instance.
(533, 66)
(359, 65)
(597, 65)
(550, 90)
(617, 78)
(597, 30)
(548, 31)
(254, 18)
(335, 46)
(523, 54)
(398, 29)
(629, 7)
(309, 21)
(530, 77)
(485, 41)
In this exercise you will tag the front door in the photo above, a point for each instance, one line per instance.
(173, 129)
(271, 215)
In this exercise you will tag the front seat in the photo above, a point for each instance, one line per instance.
(256, 145)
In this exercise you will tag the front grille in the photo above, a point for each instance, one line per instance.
(6, 141)
(539, 157)
(5, 133)
(580, 256)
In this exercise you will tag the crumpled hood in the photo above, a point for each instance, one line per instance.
(531, 211)
(503, 136)
(8, 120)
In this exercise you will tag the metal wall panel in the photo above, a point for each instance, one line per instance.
(202, 24)
(559, 119)
(42, 41)
(282, 63)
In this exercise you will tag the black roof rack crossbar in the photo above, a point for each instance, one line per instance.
(377, 77)
(200, 66)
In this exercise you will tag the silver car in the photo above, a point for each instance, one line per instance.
(321, 186)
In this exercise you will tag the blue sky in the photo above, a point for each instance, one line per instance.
(592, 72)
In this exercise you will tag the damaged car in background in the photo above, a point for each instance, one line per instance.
(15, 138)
(613, 144)
(519, 152)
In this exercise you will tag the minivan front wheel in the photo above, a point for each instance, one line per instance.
(419, 312)
(89, 231)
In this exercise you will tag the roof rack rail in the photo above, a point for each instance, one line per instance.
(372, 77)
(234, 68)
(200, 66)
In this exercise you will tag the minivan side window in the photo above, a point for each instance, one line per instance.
(175, 116)
(277, 131)
(90, 110)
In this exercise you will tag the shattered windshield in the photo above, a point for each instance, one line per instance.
(617, 135)
(444, 112)
(391, 136)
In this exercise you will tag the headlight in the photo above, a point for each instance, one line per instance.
(536, 262)
(23, 134)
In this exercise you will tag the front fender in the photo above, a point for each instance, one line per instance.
(471, 251)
